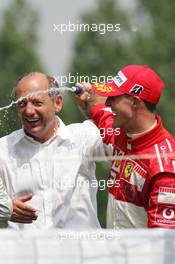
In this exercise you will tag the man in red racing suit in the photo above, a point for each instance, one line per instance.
(142, 175)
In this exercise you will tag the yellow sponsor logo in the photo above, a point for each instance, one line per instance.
(103, 88)
(128, 169)
(117, 163)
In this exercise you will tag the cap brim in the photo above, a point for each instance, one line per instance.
(106, 89)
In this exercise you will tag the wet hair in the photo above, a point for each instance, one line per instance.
(53, 83)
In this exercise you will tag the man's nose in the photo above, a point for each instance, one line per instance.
(29, 109)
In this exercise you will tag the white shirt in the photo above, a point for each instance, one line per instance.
(56, 172)
(5, 204)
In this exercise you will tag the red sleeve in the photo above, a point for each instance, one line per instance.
(103, 118)
(161, 209)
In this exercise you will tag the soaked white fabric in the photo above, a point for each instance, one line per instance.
(56, 172)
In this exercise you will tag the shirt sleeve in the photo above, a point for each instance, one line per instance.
(5, 204)
(161, 209)
(91, 140)
(103, 119)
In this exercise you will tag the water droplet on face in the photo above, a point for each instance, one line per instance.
(7, 119)
(51, 90)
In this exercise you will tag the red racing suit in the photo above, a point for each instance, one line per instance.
(142, 189)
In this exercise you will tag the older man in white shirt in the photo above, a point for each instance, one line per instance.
(46, 166)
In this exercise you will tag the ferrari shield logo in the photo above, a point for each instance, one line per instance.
(128, 169)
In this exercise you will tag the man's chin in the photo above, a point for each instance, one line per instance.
(115, 123)
(33, 132)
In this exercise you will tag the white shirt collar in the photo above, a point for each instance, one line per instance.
(142, 133)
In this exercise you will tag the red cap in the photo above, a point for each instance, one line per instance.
(135, 80)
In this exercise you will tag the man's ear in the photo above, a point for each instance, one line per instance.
(136, 102)
(58, 103)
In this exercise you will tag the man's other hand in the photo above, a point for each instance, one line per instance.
(23, 213)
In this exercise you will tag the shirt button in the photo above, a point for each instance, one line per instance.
(25, 166)
(61, 224)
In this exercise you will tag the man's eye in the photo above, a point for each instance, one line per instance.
(22, 103)
(37, 103)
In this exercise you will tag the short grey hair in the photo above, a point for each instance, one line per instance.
(53, 83)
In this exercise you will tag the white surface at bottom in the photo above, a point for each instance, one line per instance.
(98, 246)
